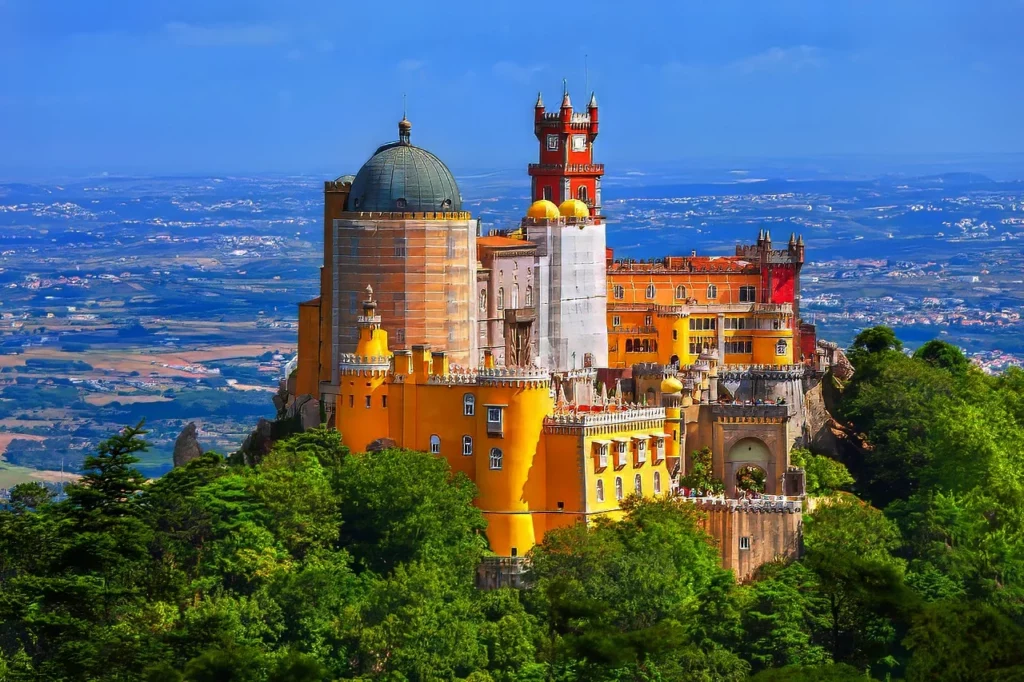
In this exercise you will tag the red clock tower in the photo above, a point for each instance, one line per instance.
(566, 169)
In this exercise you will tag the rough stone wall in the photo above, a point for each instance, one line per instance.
(771, 534)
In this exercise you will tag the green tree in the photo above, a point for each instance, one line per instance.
(822, 475)
(700, 476)
(25, 496)
(943, 355)
(877, 340)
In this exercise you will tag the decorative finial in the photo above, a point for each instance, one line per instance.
(566, 102)
(593, 101)
(369, 293)
(540, 102)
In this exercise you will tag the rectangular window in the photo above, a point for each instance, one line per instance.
(745, 542)
(641, 451)
(618, 292)
(648, 321)
(616, 320)
(494, 421)
(451, 247)
(384, 401)
(368, 398)
(351, 401)
(675, 334)
(552, 142)
(620, 453)
(400, 247)
(483, 330)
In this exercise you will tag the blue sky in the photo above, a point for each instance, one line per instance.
(159, 86)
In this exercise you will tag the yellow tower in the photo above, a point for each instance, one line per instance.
(362, 412)
(509, 469)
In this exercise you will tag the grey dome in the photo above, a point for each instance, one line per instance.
(402, 177)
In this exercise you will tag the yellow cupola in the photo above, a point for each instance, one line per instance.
(671, 385)
(542, 209)
(574, 208)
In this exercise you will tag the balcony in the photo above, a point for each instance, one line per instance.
(566, 169)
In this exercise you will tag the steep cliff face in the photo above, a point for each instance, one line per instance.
(294, 415)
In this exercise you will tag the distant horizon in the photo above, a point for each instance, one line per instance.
(259, 86)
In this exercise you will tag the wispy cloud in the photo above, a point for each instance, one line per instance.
(794, 58)
(517, 72)
(410, 65)
(227, 35)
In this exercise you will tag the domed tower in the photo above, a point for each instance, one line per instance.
(403, 230)
(361, 413)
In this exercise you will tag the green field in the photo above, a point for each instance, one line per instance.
(11, 475)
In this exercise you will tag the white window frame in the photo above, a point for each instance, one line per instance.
(468, 405)
(616, 321)
(712, 291)
(579, 143)
(602, 455)
(781, 347)
(638, 484)
(744, 542)
(552, 142)
(657, 482)
(620, 453)
(435, 444)
(651, 292)
(641, 450)
(618, 488)
(659, 449)
(648, 320)
(680, 293)
(496, 459)
(618, 292)
(600, 490)
(467, 446)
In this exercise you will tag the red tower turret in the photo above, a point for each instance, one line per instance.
(566, 168)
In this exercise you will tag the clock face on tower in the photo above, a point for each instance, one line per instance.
(579, 143)
(552, 143)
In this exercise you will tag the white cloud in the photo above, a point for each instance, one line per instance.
(781, 59)
(517, 72)
(411, 65)
(232, 35)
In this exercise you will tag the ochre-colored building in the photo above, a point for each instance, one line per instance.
(538, 460)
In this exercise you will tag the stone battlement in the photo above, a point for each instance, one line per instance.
(571, 417)
(771, 504)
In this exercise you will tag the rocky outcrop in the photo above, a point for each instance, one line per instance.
(841, 367)
(186, 447)
(381, 444)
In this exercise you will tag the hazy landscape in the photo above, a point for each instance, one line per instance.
(174, 299)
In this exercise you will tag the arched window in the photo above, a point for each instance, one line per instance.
(467, 445)
(501, 298)
(650, 291)
(515, 295)
(645, 345)
(496, 459)
(638, 485)
(600, 490)
(435, 445)
(629, 345)
(469, 405)
(781, 348)
(680, 293)
(483, 300)
(581, 193)
(712, 291)
(529, 297)
(618, 487)
(650, 397)
(636, 345)
(657, 482)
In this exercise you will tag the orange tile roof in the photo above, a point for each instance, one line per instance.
(497, 241)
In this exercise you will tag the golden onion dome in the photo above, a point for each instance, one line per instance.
(574, 208)
(671, 385)
(542, 209)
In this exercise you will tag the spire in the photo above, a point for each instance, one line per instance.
(618, 391)
(593, 101)
(768, 236)
(540, 101)
(566, 102)
(760, 235)
(800, 240)
(792, 237)
(604, 393)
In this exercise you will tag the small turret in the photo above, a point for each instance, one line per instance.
(538, 110)
(404, 130)
(592, 110)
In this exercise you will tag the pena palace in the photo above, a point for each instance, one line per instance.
(557, 377)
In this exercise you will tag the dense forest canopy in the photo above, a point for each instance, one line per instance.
(319, 564)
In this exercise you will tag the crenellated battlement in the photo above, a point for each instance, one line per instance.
(769, 504)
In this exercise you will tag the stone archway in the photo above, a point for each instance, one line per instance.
(749, 452)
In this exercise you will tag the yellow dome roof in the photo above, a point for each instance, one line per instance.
(671, 385)
(574, 208)
(542, 209)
